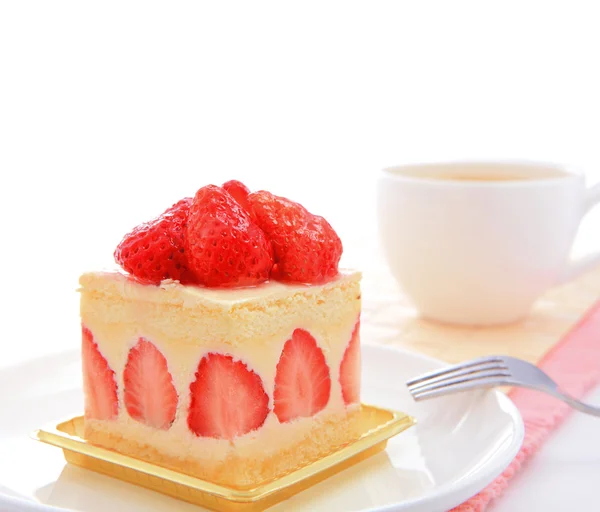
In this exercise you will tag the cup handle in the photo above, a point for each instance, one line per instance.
(578, 267)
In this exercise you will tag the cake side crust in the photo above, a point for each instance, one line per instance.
(172, 292)
(253, 331)
(325, 436)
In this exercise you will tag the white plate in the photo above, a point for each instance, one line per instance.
(460, 445)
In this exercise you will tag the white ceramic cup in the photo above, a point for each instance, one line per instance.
(481, 251)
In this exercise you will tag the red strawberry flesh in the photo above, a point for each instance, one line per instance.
(240, 193)
(150, 396)
(227, 399)
(350, 369)
(306, 248)
(155, 251)
(224, 247)
(99, 384)
(302, 380)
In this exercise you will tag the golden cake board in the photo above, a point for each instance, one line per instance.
(388, 319)
(377, 425)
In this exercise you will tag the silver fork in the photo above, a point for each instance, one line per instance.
(488, 372)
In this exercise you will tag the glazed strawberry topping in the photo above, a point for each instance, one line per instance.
(302, 381)
(225, 248)
(155, 250)
(150, 395)
(306, 248)
(350, 368)
(226, 237)
(98, 381)
(227, 399)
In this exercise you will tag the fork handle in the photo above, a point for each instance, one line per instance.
(576, 404)
(561, 395)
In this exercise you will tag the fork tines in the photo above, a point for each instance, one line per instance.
(477, 373)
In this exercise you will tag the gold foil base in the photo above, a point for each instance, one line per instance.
(379, 425)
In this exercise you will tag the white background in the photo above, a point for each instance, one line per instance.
(112, 111)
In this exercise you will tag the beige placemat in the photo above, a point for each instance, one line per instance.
(388, 319)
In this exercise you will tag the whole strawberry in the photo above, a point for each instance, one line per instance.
(155, 250)
(224, 246)
(306, 248)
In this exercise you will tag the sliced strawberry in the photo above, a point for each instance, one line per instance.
(224, 246)
(302, 381)
(306, 248)
(155, 250)
(99, 384)
(227, 399)
(240, 193)
(150, 396)
(350, 369)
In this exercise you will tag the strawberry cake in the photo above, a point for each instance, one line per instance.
(227, 344)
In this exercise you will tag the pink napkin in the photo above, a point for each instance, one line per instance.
(574, 363)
